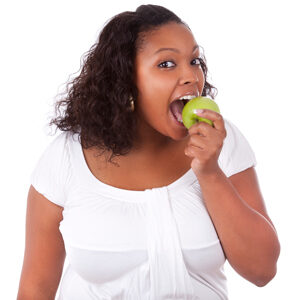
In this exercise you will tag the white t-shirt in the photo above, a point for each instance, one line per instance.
(155, 244)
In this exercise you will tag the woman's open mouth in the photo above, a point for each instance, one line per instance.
(176, 108)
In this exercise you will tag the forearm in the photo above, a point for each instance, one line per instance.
(31, 288)
(34, 294)
(249, 240)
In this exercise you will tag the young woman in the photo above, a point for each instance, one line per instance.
(142, 207)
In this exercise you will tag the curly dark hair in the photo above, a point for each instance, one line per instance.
(97, 101)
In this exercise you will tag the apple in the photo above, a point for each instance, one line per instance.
(189, 118)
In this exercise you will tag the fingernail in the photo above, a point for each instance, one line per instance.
(198, 111)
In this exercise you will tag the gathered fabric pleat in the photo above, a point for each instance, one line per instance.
(169, 278)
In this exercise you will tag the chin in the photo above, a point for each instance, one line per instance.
(178, 137)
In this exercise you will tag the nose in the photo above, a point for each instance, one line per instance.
(190, 75)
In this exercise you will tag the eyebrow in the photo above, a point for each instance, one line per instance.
(173, 49)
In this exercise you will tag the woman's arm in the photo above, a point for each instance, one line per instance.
(235, 204)
(44, 250)
(246, 232)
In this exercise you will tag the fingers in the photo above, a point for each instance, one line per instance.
(198, 142)
(200, 128)
(215, 117)
(206, 141)
(205, 130)
(193, 151)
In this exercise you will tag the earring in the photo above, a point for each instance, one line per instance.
(131, 103)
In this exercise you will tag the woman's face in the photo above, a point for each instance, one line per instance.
(163, 75)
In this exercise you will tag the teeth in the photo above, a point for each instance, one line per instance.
(179, 119)
(187, 97)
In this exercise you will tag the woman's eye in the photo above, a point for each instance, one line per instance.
(197, 60)
(166, 64)
(169, 64)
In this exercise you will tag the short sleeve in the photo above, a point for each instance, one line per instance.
(237, 154)
(50, 174)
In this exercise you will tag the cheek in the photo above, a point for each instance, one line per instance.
(155, 87)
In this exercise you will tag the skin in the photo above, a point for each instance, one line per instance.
(44, 249)
(235, 204)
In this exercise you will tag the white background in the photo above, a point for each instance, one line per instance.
(252, 50)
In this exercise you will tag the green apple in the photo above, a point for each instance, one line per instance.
(189, 118)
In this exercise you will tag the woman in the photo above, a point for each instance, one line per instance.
(159, 220)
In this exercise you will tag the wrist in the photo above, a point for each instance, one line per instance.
(211, 175)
